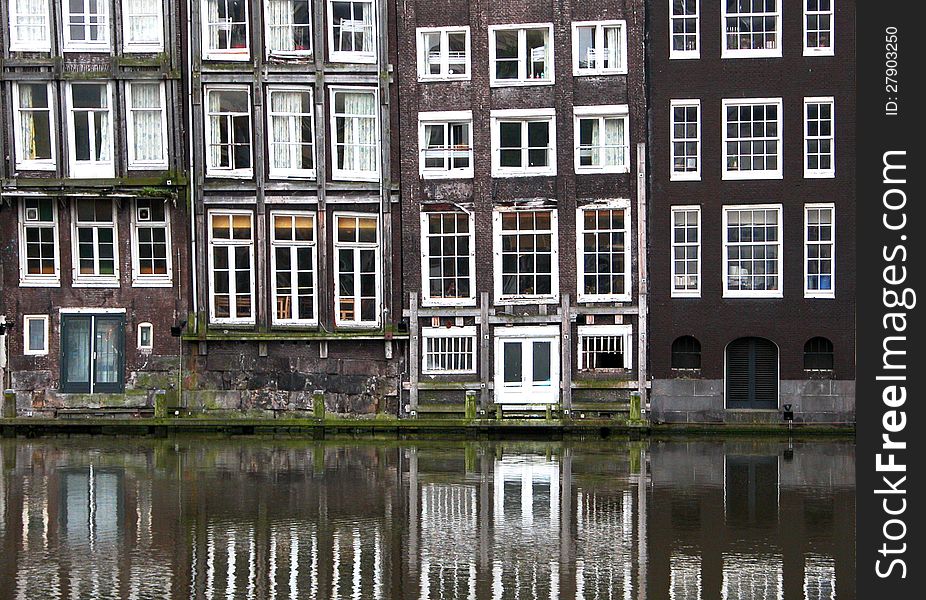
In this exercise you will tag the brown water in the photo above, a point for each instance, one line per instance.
(200, 518)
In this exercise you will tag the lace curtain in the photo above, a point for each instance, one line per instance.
(614, 142)
(143, 21)
(612, 44)
(216, 124)
(359, 132)
(282, 32)
(27, 122)
(147, 121)
(29, 21)
(286, 152)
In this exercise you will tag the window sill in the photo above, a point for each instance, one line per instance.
(231, 322)
(753, 295)
(442, 303)
(598, 73)
(498, 83)
(819, 174)
(816, 51)
(758, 53)
(50, 283)
(35, 353)
(295, 325)
(79, 171)
(142, 48)
(590, 299)
(686, 294)
(506, 300)
(292, 175)
(36, 166)
(504, 174)
(685, 55)
(601, 170)
(86, 48)
(17, 48)
(439, 79)
(351, 57)
(147, 167)
(751, 175)
(685, 176)
(139, 282)
(369, 326)
(831, 295)
(354, 176)
(230, 57)
(289, 54)
(230, 174)
(462, 174)
(109, 283)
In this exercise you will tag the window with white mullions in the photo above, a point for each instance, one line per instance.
(147, 125)
(96, 257)
(87, 25)
(292, 133)
(603, 252)
(448, 350)
(356, 139)
(686, 139)
(520, 54)
(152, 248)
(605, 347)
(448, 258)
(29, 25)
(752, 251)
(293, 258)
(526, 255)
(289, 27)
(142, 26)
(818, 27)
(602, 145)
(91, 130)
(819, 148)
(752, 139)
(228, 132)
(351, 31)
(522, 143)
(443, 53)
(446, 144)
(226, 30)
(38, 234)
(35, 335)
(819, 251)
(752, 28)
(599, 47)
(231, 270)
(686, 251)
(684, 29)
(33, 122)
(357, 289)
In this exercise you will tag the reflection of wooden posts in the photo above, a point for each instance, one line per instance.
(414, 495)
(642, 557)
(469, 458)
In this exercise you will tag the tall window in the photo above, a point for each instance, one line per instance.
(289, 27)
(686, 140)
(29, 25)
(33, 125)
(448, 350)
(819, 251)
(357, 292)
(818, 27)
(599, 47)
(354, 122)
(446, 144)
(819, 148)
(526, 255)
(443, 53)
(291, 133)
(752, 251)
(753, 28)
(293, 263)
(35, 335)
(448, 258)
(351, 31)
(605, 347)
(683, 29)
(523, 142)
(151, 252)
(142, 26)
(95, 253)
(520, 54)
(226, 30)
(86, 26)
(231, 267)
(604, 252)
(91, 130)
(38, 243)
(601, 139)
(228, 132)
(752, 139)
(147, 126)
(686, 251)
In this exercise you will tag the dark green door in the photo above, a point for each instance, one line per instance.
(752, 374)
(92, 353)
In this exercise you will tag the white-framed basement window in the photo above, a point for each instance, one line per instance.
(231, 267)
(288, 27)
(39, 256)
(291, 132)
(448, 350)
(30, 26)
(151, 244)
(142, 26)
(448, 259)
(226, 30)
(752, 133)
(818, 27)
(90, 130)
(685, 140)
(293, 261)
(34, 126)
(521, 54)
(358, 287)
(605, 347)
(355, 139)
(686, 251)
(819, 250)
(445, 144)
(94, 243)
(86, 25)
(684, 29)
(602, 139)
(599, 47)
(352, 31)
(35, 335)
(443, 53)
(752, 251)
(751, 28)
(526, 253)
(603, 252)
(147, 125)
(145, 338)
(228, 132)
(819, 134)
(523, 142)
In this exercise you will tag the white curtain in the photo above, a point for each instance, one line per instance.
(595, 150)
(27, 122)
(280, 15)
(360, 132)
(612, 43)
(103, 122)
(216, 123)
(29, 20)
(142, 17)
(214, 26)
(147, 120)
(367, 43)
(286, 153)
(614, 142)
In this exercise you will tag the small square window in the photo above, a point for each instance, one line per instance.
(35, 335)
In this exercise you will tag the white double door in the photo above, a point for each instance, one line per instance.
(527, 368)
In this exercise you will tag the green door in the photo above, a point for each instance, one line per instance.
(92, 353)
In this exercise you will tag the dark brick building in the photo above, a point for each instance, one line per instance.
(752, 182)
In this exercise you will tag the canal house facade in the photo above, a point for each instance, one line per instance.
(93, 203)
(752, 187)
(520, 125)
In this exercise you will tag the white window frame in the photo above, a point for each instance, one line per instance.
(728, 293)
(231, 243)
(358, 323)
(444, 118)
(750, 52)
(820, 50)
(523, 79)
(768, 173)
(275, 172)
(227, 54)
(685, 54)
(90, 169)
(289, 53)
(581, 296)
(599, 44)
(349, 174)
(524, 116)
(145, 348)
(34, 165)
(426, 298)
(135, 163)
(25, 279)
(431, 333)
(684, 175)
(830, 293)
(27, 351)
(291, 245)
(820, 173)
(138, 278)
(676, 292)
(151, 46)
(212, 171)
(17, 45)
(94, 280)
(625, 332)
(445, 74)
(82, 45)
(500, 297)
(613, 111)
(351, 56)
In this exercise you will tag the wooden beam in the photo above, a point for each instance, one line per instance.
(414, 363)
(566, 353)
(642, 280)
(485, 340)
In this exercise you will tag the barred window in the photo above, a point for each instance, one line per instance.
(448, 350)
(686, 353)
(605, 347)
(818, 354)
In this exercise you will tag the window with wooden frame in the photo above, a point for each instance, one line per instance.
(231, 267)
(605, 347)
(95, 243)
(526, 256)
(39, 255)
(291, 132)
(34, 126)
(521, 54)
(352, 31)
(226, 30)
(90, 129)
(443, 53)
(142, 26)
(599, 47)
(684, 29)
(293, 261)
(228, 132)
(289, 27)
(523, 142)
(86, 25)
(448, 350)
(603, 252)
(35, 335)
(146, 125)
(602, 143)
(358, 286)
(30, 29)
(448, 259)
(151, 244)
(446, 144)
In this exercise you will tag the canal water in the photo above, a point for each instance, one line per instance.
(198, 518)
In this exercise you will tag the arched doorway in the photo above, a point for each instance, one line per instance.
(751, 373)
